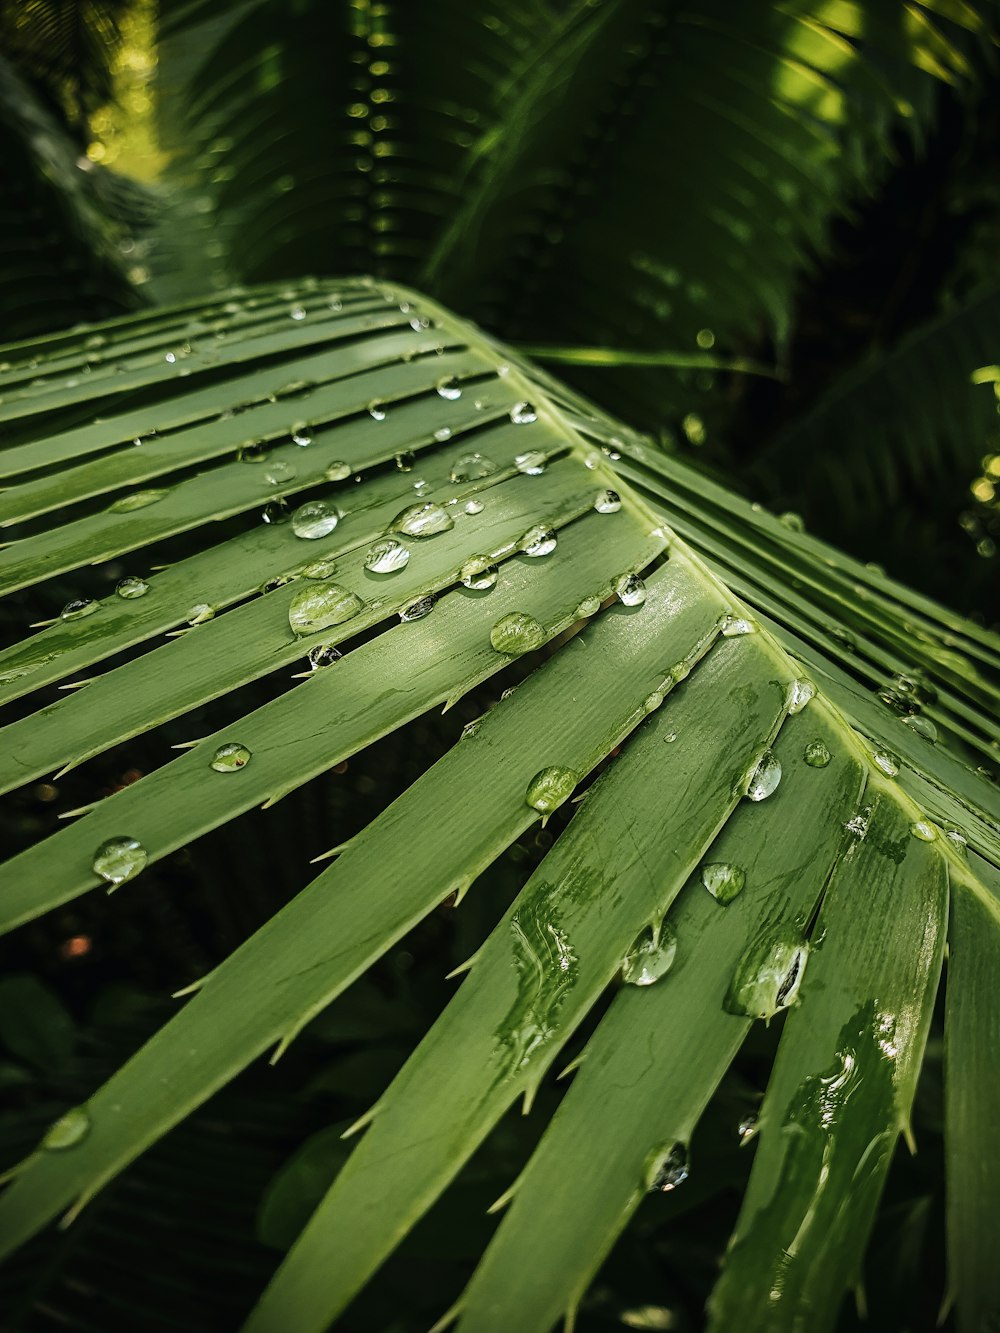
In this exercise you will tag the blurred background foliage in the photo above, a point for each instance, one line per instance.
(769, 234)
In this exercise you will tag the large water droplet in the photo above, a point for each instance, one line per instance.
(301, 434)
(323, 655)
(764, 778)
(800, 692)
(315, 519)
(887, 762)
(588, 607)
(316, 608)
(631, 590)
(473, 507)
(666, 1168)
(816, 754)
(449, 387)
(386, 556)
(923, 726)
(137, 500)
(532, 463)
(651, 957)
(230, 758)
(472, 467)
(68, 1130)
(338, 471)
(923, 830)
(550, 787)
(423, 520)
(608, 502)
(78, 608)
(539, 540)
(478, 573)
(517, 633)
(119, 859)
(423, 606)
(768, 976)
(723, 880)
(731, 627)
(131, 587)
(375, 410)
(523, 414)
(278, 472)
(442, 433)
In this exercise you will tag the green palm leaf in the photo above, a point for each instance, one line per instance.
(758, 714)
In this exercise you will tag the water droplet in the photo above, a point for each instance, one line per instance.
(723, 881)
(375, 410)
(923, 726)
(230, 758)
(857, 825)
(532, 463)
(650, 958)
(549, 788)
(323, 655)
(924, 831)
(539, 540)
(449, 387)
(78, 608)
(794, 522)
(423, 520)
(315, 519)
(816, 754)
(473, 507)
(800, 692)
(316, 608)
(386, 556)
(479, 573)
(472, 467)
(731, 627)
(137, 500)
(748, 1128)
(273, 584)
(666, 1168)
(278, 472)
(119, 859)
(131, 587)
(517, 633)
(319, 569)
(275, 511)
(956, 837)
(423, 606)
(887, 762)
(523, 414)
(652, 701)
(442, 433)
(422, 487)
(631, 590)
(252, 452)
(297, 312)
(764, 778)
(338, 471)
(68, 1130)
(588, 607)
(405, 461)
(768, 976)
(199, 613)
(608, 502)
(301, 433)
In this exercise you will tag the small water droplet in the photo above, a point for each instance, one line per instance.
(523, 414)
(119, 859)
(748, 1128)
(857, 825)
(517, 633)
(297, 312)
(422, 487)
(319, 607)
(449, 387)
(768, 976)
(532, 463)
(323, 655)
(956, 837)
(666, 1168)
(230, 758)
(479, 573)
(68, 1130)
(405, 461)
(131, 587)
(650, 958)
(375, 410)
(588, 607)
(319, 569)
(723, 880)
(608, 502)
(78, 608)
(652, 701)
(278, 472)
(275, 511)
(199, 613)
(731, 627)
(923, 726)
(301, 433)
(764, 778)
(924, 831)
(137, 500)
(631, 590)
(539, 540)
(887, 762)
(473, 507)
(800, 692)
(423, 606)
(252, 452)
(816, 754)
(472, 467)
(794, 522)
(549, 788)
(422, 520)
(276, 582)
(386, 556)
(315, 519)
(338, 471)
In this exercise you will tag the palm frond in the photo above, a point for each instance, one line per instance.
(776, 751)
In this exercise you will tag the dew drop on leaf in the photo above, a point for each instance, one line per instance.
(517, 633)
(650, 958)
(275, 511)
(472, 467)
(423, 520)
(800, 692)
(375, 410)
(666, 1168)
(323, 655)
(532, 463)
(588, 607)
(924, 831)
(763, 779)
(200, 613)
(537, 541)
(119, 859)
(887, 762)
(473, 507)
(523, 414)
(731, 627)
(68, 1130)
(230, 758)
(319, 607)
(449, 387)
(78, 608)
(315, 519)
(550, 787)
(386, 556)
(768, 976)
(137, 500)
(131, 587)
(631, 590)
(319, 569)
(816, 754)
(479, 573)
(278, 472)
(723, 880)
(923, 726)
(301, 434)
(338, 471)
(416, 610)
(608, 502)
